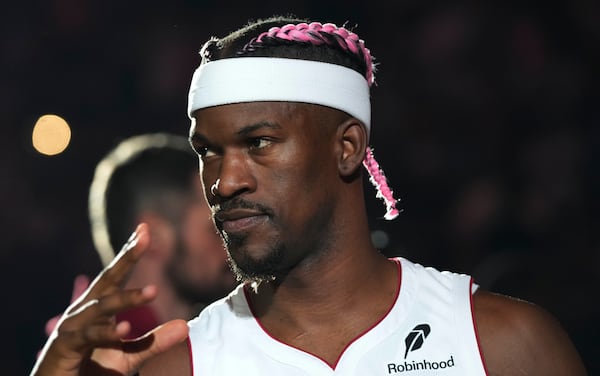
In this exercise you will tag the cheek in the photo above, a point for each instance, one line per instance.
(301, 191)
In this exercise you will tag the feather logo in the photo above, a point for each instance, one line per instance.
(414, 340)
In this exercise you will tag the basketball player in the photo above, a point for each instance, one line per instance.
(281, 119)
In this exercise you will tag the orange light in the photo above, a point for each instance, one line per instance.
(51, 135)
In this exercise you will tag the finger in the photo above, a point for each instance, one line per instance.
(93, 325)
(103, 335)
(51, 324)
(113, 276)
(80, 284)
(104, 308)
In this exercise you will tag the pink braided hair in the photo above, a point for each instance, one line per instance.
(379, 181)
(318, 34)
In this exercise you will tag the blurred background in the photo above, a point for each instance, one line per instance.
(486, 122)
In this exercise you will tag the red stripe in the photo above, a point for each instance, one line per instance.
(189, 345)
(475, 326)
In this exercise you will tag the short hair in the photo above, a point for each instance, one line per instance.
(145, 172)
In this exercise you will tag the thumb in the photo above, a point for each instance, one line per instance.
(159, 340)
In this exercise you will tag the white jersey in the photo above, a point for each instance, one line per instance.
(428, 331)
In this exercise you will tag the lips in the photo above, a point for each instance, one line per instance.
(239, 220)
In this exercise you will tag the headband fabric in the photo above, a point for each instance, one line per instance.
(254, 79)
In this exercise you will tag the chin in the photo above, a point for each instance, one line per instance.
(256, 265)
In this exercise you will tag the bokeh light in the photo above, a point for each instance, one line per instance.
(51, 135)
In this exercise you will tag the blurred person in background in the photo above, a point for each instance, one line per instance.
(153, 178)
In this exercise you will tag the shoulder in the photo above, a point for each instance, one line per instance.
(219, 315)
(518, 337)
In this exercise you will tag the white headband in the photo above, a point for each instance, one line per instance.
(254, 79)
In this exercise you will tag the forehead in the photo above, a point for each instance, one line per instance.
(233, 117)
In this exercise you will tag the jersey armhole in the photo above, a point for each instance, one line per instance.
(473, 287)
(190, 354)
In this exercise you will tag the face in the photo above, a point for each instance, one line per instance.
(276, 170)
(198, 267)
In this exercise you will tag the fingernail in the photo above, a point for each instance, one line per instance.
(132, 243)
(148, 290)
(133, 235)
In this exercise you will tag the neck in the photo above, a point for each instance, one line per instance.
(323, 310)
(349, 276)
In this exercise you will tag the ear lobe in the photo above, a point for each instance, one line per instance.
(352, 136)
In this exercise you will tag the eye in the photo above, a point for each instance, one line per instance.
(207, 152)
(259, 142)
(203, 151)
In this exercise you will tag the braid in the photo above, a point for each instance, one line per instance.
(379, 181)
(315, 34)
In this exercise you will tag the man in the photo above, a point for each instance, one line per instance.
(153, 178)
(281, 120)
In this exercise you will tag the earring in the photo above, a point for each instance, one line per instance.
(215, 188)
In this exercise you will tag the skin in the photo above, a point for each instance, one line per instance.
(520, 338)
(307, 167)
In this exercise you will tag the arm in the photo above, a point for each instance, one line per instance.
(520, 338)
(87, 340)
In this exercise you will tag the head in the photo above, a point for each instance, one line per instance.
(153, 178)
(281, 118)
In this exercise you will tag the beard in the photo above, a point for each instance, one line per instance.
(256, 270)
(246, 268)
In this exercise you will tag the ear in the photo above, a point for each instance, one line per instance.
(162, 235)
(352, 139)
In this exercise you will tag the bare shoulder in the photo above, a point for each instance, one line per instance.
(521, 338)
(176, 361)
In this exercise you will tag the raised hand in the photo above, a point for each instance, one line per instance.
(88, 341)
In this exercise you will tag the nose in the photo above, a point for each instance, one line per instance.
(234, 177)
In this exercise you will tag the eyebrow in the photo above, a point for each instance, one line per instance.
(253, 127)
(196, 138)
(244, 132)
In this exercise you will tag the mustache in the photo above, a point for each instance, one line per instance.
(240, 203)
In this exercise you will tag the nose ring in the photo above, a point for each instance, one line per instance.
(215, 188)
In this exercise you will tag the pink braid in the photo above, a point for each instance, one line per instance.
(378, 179)
(315, 33)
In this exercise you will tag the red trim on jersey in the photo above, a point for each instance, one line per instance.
(189, 346)
(475, 326)
(249, 302)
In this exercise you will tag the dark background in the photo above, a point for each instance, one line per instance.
(485, 121)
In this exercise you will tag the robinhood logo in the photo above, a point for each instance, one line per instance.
(415, 339)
